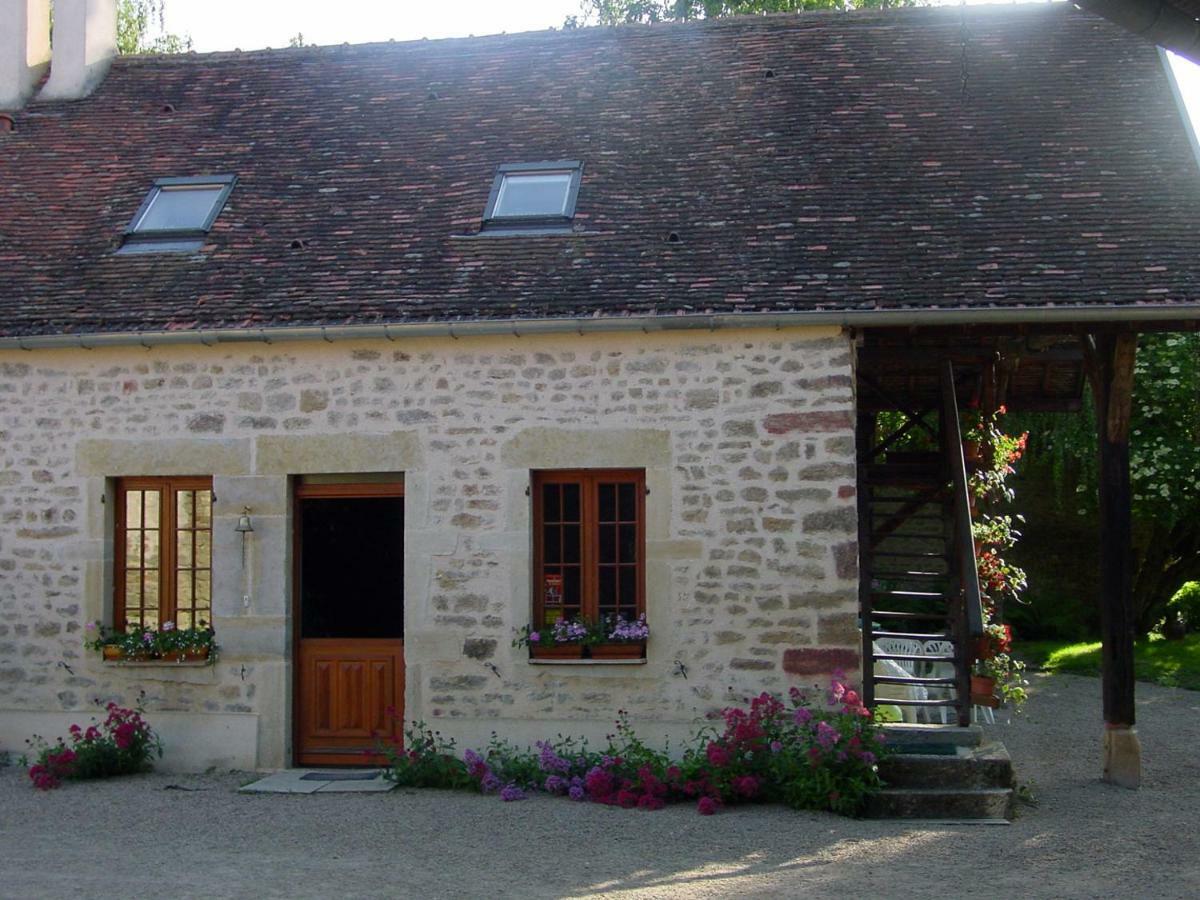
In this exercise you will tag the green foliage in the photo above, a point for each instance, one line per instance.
(1170, 663)
(141, 28)
(1186, 606)
(122, 744)
(618, 12)
(1164, 459)
(805, 757)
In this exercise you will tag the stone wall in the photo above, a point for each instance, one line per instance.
(747, 441)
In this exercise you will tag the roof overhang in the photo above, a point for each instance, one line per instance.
(1171, 316)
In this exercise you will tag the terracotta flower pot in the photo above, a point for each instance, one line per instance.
(972, 451)
(194, 655)
(632, 650)
(983, 691)
(172, 656)
(556, 651)
(112, 651)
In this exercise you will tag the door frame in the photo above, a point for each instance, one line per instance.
(347, 489)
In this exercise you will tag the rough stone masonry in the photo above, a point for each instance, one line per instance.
(746, 438)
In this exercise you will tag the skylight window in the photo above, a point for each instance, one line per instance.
(177, 212)
(533, 195)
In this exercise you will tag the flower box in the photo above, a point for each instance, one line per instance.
(627, 650)
(983, 691)
(556, 651)
(112, 651)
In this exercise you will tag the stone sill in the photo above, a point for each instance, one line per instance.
(158, 663)
(588, 662)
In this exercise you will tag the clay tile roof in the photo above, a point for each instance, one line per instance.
(908, 159)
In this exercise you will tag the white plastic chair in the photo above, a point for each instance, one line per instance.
(939, 669)
(899, 668)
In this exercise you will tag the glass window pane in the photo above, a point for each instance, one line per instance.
(608, 543)
(184, 619)
(628, 494)
(535, 194)
(570, 497)
(133, 591)
(183, 549)
(150, 549)
(571, 592)
(628, 543)
(152, 500)
(133, 509)
(185, 503)
(204, 509)
(552, 549)
(183, 589)
(203, 558)
(608, 502)
(628, 581)
(572, 539)
(179, 206)
(150, 589)
(203, 591)
(551, 503)
(608, 587)
(150, 619)
(133, 549)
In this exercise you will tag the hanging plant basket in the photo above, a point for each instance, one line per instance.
(983, 691)
(556, 651)
(627, 650)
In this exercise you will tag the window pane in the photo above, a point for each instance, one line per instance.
(204, 509)
(133, 592)
(571, 543)
(628, 494)
(535, 194)
(628, 581)
(133, 549)
(552, 549)
(179, 207)
(150, 549)
(628, 543)
(203, 550)
(551, 503)
(185, 503)
(183, 589)
(133, 509)
(150, 589)
(184, 619)
(152, 498)
(570, 494)
(608, 543)
(183, 549)
(571, 592)
(608, 588)
(203, 591)
(150, 619)
(608, 502)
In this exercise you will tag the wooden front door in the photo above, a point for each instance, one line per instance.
(349, 621)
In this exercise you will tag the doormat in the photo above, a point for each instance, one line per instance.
(341, 776)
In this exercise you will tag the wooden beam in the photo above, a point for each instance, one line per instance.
(1110, 364)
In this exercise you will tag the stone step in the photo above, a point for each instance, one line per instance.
(958, 735)
(988, 766)
(984, 804)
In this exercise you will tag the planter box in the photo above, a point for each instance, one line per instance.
(634, 650)
(983, 691)
(557, 651)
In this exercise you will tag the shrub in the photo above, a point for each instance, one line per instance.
(123, 744)
(804, 756)
(1186, 606)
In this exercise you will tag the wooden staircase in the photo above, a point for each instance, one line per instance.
(919, 592)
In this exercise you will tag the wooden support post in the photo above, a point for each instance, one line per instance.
(1110, 359)
(865, 443)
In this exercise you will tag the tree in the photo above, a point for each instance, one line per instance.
(137, 19)
(617, 12)
(1164, 466)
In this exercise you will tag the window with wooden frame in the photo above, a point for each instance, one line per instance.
(163, 553)
(589, 544)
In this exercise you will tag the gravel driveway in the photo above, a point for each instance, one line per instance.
(145, 836)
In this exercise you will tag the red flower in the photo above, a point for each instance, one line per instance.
(707, 806)
(717, 755)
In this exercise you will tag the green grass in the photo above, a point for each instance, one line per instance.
(1173, 663)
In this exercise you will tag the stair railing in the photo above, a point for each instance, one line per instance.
(969, 620)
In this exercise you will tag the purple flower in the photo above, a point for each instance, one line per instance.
(91, 626)
(555, 784)
(802, 716)
(511, 792)
(534, 637)
(549, 760)
(168, 626)
(576, 792)
(630, 631)
(827, 735)
(490, 783)
(776, 746)
(868, 757)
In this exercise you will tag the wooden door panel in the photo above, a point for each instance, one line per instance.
(347, 687)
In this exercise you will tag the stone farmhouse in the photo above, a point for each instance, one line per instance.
(371, 356)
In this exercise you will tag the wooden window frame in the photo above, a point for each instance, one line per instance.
(169, 487)
(589, 480)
